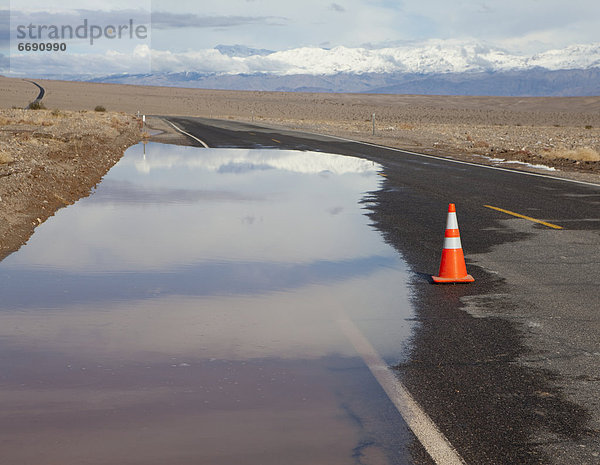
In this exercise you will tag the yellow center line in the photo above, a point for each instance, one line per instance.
(508, 212)
(275, 140)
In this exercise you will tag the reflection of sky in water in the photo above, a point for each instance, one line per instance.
(200, 231)
(198, 292)
(190, 206)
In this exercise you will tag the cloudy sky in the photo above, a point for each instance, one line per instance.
(519, 26)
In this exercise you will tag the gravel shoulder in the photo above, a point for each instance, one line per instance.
(50, 159)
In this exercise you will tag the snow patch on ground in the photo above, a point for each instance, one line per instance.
(517, 162)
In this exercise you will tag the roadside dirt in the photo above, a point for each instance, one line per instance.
(50, 159)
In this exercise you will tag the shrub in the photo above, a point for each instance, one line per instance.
(99, 108)
(36, 105)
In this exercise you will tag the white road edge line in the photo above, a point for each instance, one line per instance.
(432, 439)
(188, 134)
(451, 160)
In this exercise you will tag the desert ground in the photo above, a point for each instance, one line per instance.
(52, 157)
(562, 132)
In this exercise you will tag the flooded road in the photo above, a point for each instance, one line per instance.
(189, 312)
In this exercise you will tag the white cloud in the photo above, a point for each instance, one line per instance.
(77, 64)
(433, 56)
(294, 24)
(553, 23)
(350, 23)
(65, 5)
(523, 25)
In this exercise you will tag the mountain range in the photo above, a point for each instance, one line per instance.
(436, 67)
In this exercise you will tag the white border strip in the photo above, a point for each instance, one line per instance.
(433, 440)
(452, 160)
(188, 134)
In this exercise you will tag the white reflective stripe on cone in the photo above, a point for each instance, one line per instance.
(451, 222)
(452, 243)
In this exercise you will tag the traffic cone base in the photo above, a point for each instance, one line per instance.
(466, 279)
(452, 266)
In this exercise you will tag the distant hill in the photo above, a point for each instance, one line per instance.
(531, 82)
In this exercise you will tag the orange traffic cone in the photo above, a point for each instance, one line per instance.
(452, 267)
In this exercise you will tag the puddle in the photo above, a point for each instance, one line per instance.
(187, 312)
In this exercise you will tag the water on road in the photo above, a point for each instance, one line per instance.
(188, 312)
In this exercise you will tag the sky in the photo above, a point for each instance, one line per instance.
(521, 25)
(518, 26)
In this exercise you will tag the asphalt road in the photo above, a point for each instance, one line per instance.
(40, 94)
(506, 367)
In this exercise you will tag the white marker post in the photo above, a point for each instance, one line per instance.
(373, 123)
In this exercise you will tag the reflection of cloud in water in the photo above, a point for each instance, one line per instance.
(183, 214)
(298, 323)
(39, 288)
(243, 160)
(126, 192)
(241, 168)
(143, 305)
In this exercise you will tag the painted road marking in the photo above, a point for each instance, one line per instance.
(433, 440)
(518, 215)
(189, 135)
(275, 140)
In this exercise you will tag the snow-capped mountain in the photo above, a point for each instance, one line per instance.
(573, 57)
(442, 67)
(432, 57)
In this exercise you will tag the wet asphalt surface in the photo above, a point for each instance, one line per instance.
(465, 371)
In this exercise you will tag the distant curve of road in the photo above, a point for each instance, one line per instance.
(505, 366)
(41, 93)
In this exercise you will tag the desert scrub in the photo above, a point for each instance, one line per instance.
(99, 108)
(36, 106)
